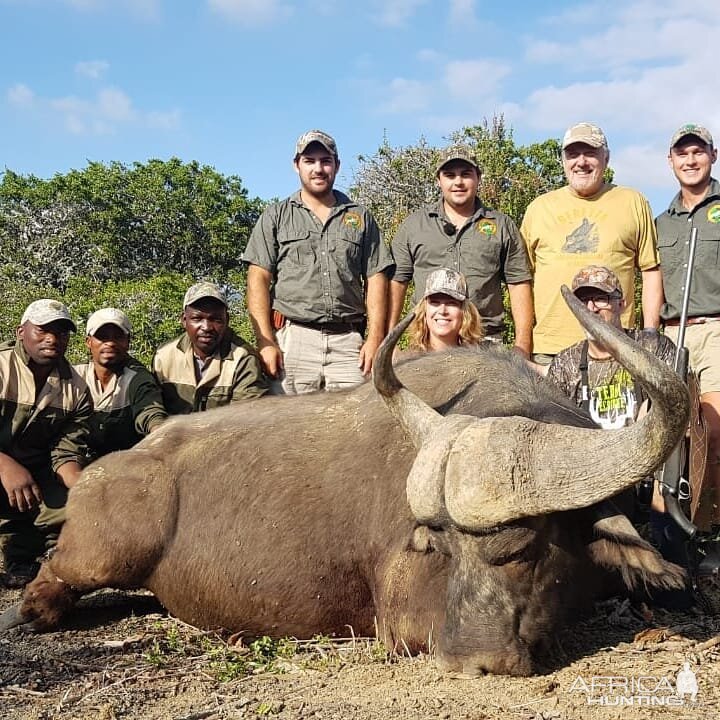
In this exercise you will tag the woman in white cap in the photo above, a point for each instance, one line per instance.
(445, 317)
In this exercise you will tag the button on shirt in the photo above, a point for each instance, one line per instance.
(320, 269)
(488, 249)
(674, 227)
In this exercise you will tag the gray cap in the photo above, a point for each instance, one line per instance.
(446, 282)
(203, 290)
(45, 311)
(456, 152)
(315, 136)
(107, 316)
(586, 133)
(691, 129)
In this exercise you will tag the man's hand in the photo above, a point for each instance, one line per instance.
(271, 359)
(367, 354)
(22, 490)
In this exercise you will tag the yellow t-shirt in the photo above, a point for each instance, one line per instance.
(564, 233)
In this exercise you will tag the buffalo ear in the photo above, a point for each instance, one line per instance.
(427, 540)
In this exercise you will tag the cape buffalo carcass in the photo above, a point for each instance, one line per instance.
(479, 526)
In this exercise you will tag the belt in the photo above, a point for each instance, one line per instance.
(332, 328)
(699, 320)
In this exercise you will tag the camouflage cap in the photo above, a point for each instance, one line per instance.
(456, 152)
(585, 132)
(107, 316)
(315, 136)
(691, 129)
(202, 290)
(446, 282)
(45, 311)
(598, 277)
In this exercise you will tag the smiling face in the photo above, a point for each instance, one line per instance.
(444, 318)
(691, 160)
(109, 346)
(584, 166)
(458, 181)
(317, 169)
(206, 322)
(45, 344)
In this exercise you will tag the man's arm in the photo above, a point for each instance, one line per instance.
(521, 307)
(69, 473)
(22, 491)
(248, 380)
(652, 296)
(377, 312)
(398, 291)
(259, 308)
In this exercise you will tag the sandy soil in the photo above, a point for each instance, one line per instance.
(121, 656)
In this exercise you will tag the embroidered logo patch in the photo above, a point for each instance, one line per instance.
(713, 213)
(486, 227)
(353, 220)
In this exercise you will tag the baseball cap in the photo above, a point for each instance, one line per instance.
(317, 136)
(202, 290)
(45, 311)
(598, 277)
(107, 316)
(585, 132)
(456, 152)
(691, 129)
(446, 282)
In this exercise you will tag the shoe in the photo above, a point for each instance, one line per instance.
(18, 575)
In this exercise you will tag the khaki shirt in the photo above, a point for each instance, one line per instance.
(42, 433)
(232, 375)
(126, 410)
(488, 250)
(320, 270)
(674, 227)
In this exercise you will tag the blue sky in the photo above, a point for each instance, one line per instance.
(232, 83)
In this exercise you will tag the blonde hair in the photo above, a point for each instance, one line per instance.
(471, 330)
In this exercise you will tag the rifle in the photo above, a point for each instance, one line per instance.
(672, 472)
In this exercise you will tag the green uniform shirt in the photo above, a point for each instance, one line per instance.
(673, 229)
(126, 410)
(232, 375)
(319, 270)
(487, 249)
(46, 432)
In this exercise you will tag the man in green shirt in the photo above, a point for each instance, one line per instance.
(697, 205)
(126, 397)
(208, 365)
(318, 278)
(44, 411)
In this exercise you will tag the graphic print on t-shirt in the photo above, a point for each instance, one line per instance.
(613, 404)
(583, 239)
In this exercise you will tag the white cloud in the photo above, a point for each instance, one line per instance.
(20, 95)
(396, 13)
(405, 96)
(108, 112)
(462, 13)
(470, 79)
(91, 68)
(252, 12)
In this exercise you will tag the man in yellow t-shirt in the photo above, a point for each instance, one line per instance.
(588, 222)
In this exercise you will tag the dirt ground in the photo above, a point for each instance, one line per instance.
(121, 656)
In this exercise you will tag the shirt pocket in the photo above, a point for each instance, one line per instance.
(295, 247)
(348, 252)
(481, 255)
(672, 251)
(708, 244)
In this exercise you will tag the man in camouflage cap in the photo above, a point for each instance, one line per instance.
(317, 279)
(126, 397)
(588, 221)
(460, 232)
(44, 411)
(696, 206)
(208, 365)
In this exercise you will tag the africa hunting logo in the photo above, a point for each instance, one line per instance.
(486, 227)
(713, 213)
(353, 220)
